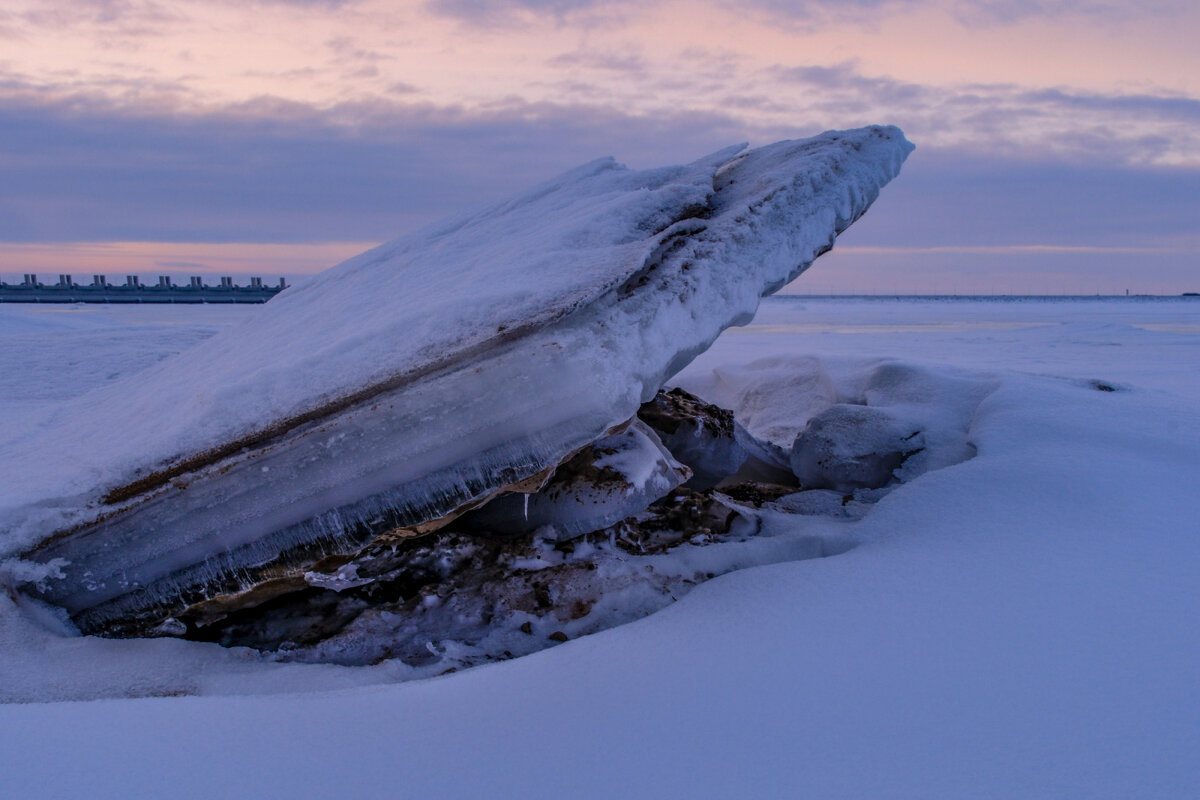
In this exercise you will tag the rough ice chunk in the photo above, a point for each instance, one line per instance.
(419, 378)
(848, 447)
(613, 478)
(699, 434)
(345, 577)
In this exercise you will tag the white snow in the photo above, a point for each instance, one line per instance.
(1019, 624)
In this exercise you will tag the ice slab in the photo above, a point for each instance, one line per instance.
(420, 377)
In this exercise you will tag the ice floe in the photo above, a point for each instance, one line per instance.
(418, 380)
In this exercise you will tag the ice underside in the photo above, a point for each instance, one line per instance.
(423, 376)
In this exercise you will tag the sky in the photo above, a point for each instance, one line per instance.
(1058, 142)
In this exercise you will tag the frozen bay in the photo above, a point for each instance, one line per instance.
(1020, 624)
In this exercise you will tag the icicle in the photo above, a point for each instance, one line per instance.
(527, 507)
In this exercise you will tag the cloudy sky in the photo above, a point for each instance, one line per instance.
(1058, 141)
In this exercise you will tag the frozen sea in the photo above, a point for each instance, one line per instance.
(1021, 624)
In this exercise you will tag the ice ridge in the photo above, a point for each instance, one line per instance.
(421, 377)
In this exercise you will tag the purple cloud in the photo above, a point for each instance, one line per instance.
(283, 172)
(275, 171)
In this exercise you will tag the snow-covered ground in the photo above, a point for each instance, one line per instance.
(1020, 624)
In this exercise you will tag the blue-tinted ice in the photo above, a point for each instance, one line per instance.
(422, 377)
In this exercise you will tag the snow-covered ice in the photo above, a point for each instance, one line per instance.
(1017, 624)
(422, 376)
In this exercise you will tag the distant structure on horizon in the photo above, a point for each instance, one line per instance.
(134, 291)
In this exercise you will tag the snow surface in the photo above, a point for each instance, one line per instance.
(1020, 624)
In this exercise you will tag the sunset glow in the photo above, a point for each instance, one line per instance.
(269, 126)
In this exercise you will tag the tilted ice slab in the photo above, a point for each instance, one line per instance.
(419, 377)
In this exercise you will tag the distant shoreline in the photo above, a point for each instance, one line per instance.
(1042, 298)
